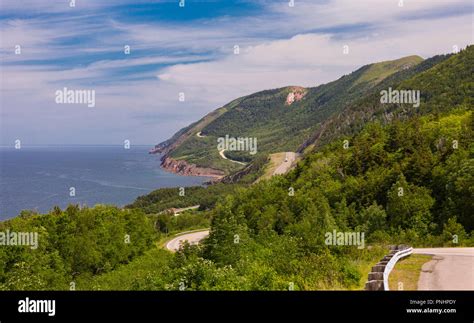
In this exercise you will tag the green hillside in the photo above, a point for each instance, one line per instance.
(407, 178)
(379, 71)
(278, 126)
(444, 82)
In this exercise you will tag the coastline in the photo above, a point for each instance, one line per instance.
(181, 167)
(100, 175)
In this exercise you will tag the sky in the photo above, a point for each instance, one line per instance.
(190, 50)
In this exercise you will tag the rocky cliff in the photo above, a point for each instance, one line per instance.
(184, 168)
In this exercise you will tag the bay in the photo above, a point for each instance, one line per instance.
(40, 177)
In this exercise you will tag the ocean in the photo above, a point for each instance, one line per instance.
(40, 177)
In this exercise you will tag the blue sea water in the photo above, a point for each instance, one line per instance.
(40, 177)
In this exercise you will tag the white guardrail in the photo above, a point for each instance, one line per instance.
(388, 268)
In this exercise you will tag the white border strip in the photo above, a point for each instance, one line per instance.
(388, 268)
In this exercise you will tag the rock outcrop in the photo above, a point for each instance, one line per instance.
(296, 94)
(184, 168)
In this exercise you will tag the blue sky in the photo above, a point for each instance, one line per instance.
(190, 49)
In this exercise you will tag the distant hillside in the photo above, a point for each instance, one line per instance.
(444, 81)
(281, 120)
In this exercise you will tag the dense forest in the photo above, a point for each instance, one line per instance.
(406, 180)
(166, 198)
(278, 126)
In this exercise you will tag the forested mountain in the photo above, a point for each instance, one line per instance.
(394, 172)
(444, 82)
(281, 119)
(294, 118)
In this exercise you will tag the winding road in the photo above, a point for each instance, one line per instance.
(192, 237)
(221, 152)
(450, 269)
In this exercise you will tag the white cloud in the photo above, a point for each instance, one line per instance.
(311, 59)
(304, 58)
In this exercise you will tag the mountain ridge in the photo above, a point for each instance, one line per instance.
(290, 118)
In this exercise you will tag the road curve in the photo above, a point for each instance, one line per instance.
(192, 237)
(450, 269)
(221, 152)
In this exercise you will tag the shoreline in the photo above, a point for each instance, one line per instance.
(109, 187)
(182, 167)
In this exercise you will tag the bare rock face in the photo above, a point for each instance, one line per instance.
(296, 94)
(184, 168)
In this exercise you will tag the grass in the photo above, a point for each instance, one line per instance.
(379, 71)
(275, 160)
(406, 273)
(365, 263)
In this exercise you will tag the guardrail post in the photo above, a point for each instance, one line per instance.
(378, 277)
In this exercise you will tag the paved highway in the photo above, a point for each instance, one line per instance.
(450, 269)
(191, 237)
(283, 168)
(221, 152)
